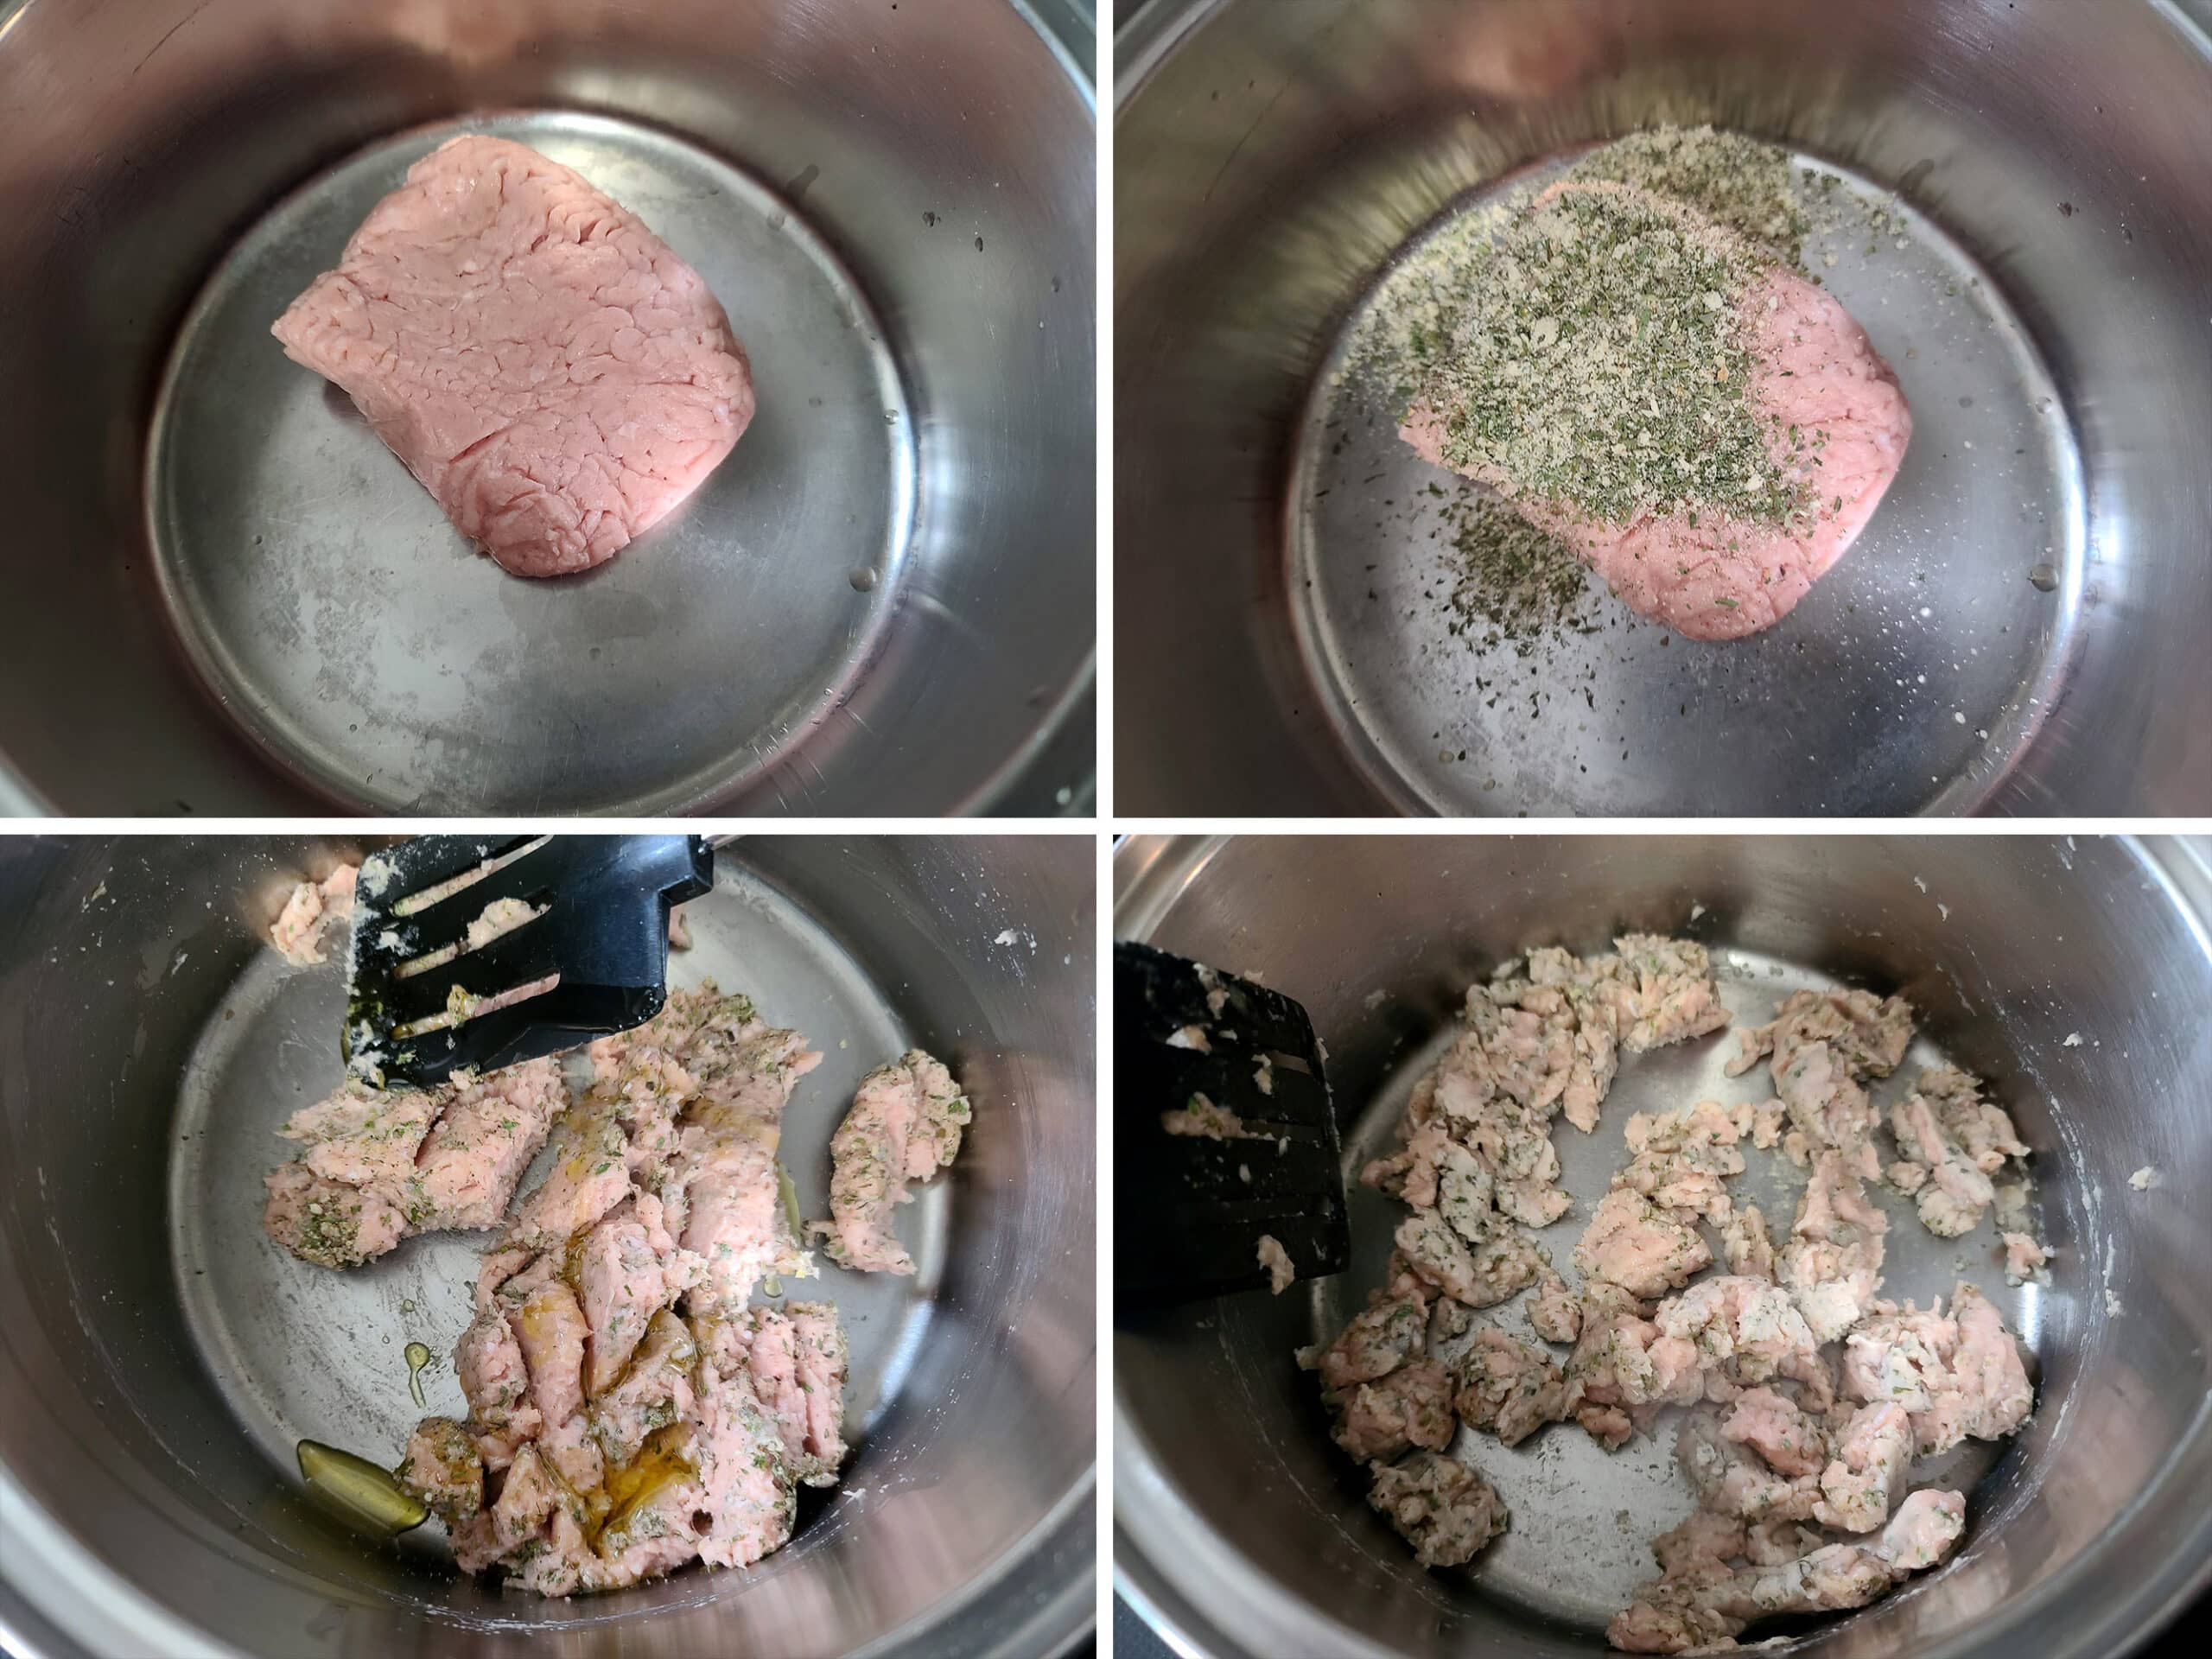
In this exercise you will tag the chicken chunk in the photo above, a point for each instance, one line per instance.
(653, 1391)
(1439, 1505)
(1509, 1387)
(1637, 1245)
(904, 1125)
(1410, 1406)
(1554, 1312)
(443, 1468)
(1481, 1275)
(1377, 1340)
(796, 1361)
(1868, 1033)
(1792, 1443)
(469, 1164)
(327, 1223)
(1832, 1265)
(620, 1280)
(1868, 1474)
(310, 912)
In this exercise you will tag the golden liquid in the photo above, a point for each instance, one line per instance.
(366, 1490)
(417, 1358)
(634, 1488)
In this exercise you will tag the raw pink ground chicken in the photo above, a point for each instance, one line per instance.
(544, 365)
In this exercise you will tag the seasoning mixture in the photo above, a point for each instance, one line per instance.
(1623, 359)
(1807, 1395)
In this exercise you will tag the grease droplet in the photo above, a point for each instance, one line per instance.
(863, 580)
(2043, 578)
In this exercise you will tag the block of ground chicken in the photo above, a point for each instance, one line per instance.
(543, 363)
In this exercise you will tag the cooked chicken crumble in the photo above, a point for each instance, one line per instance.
(1810, 1396)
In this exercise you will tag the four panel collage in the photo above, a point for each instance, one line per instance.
(750, 899)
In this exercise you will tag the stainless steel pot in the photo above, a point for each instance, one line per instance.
(158, 1360)
(2017, 631)
(2074, 975)
(227, 597)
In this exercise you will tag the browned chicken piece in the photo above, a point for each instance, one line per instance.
(1869, 1033)
(1832, 1265)
(1701, 1547)
(1632, 1242)
(1792, 1443)
(443, 1468)
(1439, 1505)
(1481, 1275)
(1377, 1341)
(1509, 1387)
(904, 1125)
(1554, 1312)
(1411, 1407)
(1872, 1459)
(1744, 1243)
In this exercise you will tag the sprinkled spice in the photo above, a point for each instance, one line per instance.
(1511, 581)
(1731, 179)
(1600, 362)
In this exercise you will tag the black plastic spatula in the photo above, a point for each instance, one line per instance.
(474, 951)
(1189, 1210)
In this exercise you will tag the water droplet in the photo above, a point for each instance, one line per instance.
(863, 580)
(2043, 579)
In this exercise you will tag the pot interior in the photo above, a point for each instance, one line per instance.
(1983, 182)
(164, 1358)
(894, 206)
(2065, 974)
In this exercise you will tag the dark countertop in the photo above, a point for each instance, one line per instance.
(1133, 1638)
